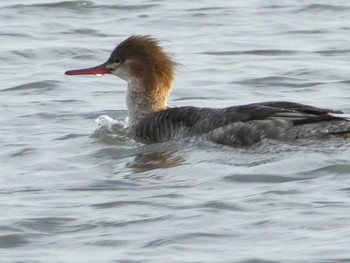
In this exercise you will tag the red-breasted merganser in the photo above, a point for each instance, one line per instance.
(149, 72)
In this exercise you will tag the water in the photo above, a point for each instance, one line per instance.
(73, 193)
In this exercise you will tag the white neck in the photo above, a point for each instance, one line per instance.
(140, 103)
(135, 100)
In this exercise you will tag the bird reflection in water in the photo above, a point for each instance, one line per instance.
(149, 161)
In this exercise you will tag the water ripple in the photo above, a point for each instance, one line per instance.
(134, 222)
(34, 87)
(12, 240)
(330, 169)
(47, 225)
(323, 7)
(63, 4)
(278, 81)
(261, 52)
(261, 178)
(188, 237)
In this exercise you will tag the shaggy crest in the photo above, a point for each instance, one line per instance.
(148, 62)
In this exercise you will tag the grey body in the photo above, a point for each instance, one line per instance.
(241, 125)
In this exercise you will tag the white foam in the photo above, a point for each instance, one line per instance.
(110, 124)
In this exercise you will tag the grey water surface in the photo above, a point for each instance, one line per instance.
(72, 193)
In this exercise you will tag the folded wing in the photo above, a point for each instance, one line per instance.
(241, 125)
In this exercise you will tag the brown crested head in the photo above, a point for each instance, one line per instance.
(144, 64)
(144, 60)
(147, 68)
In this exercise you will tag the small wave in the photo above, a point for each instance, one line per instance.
(191, 237)
(78, 5)
(278, 81)
(323, 7)
(261, 178)
(105, 185)
(25, 53)
(48, 115)
(114, 204)
(70, 136)
(45, 85)
(24, 151)
(308, 32)
(87, 32)
(330, 169)
(63, 4)
(47, 224)
(15, 34)
(334, 52)
(12, 240)
(261, 52)
(129, 7)
(217, 205)
(344, 81)
(259, 261)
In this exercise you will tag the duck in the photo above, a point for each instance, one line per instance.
(149, 71)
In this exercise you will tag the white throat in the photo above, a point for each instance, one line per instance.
(138, 102)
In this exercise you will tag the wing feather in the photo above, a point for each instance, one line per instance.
(266, 118)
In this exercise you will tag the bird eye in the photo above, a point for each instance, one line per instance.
(117, 60)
